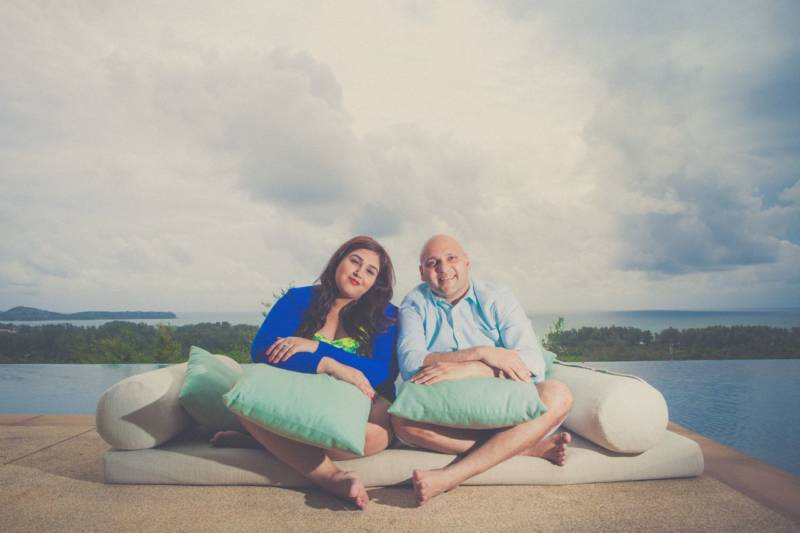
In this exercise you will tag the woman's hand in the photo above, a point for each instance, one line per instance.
(346, 373)
(285, 347)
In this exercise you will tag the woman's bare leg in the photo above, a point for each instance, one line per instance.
(317, 464)
(379, 432)
(313, 463)
(233, 439)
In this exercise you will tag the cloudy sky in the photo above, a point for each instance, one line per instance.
(198, 156)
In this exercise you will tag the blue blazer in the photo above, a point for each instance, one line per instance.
(285, 317)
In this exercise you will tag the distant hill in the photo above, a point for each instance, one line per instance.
(31, 314)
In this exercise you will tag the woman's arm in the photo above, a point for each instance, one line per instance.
(377, 368)
(346, 373)
(283, 320)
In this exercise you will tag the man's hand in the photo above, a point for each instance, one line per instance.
(285, 347)
(346, 373)
(507, 362)
(443, 371)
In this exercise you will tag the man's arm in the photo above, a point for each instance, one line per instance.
(501, 362)
(475, 353)
(412, 348)
(516, 333)
(442, 371)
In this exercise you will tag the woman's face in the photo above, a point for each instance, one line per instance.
(357, 272)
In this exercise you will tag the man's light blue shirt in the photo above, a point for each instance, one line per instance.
(487, 315)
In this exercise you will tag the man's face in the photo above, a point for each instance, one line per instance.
(444, 266)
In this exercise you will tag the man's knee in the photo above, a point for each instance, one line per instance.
(556, 396)
(409, 432)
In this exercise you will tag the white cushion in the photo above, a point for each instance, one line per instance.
(143, 411)
(620, 413)
(195, 462)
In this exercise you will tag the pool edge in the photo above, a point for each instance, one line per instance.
(768, 485)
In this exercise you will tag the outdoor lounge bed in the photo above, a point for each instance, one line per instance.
(619, 424)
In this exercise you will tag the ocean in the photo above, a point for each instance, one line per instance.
(653, 320)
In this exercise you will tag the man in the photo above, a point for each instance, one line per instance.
(452, 327)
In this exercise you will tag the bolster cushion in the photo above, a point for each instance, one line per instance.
(620, 413)
(143, 411)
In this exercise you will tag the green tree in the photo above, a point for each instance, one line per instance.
(552, 340)
(168, 350)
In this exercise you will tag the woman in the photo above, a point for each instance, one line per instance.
(344, 327)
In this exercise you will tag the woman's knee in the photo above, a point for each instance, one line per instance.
(377, 440)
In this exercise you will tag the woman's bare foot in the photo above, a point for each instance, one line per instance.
(347, 485)
(552, 448)
(233, 439)
(430, 483)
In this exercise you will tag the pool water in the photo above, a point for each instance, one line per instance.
(750, 405)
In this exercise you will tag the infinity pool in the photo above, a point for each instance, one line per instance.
(750, 405)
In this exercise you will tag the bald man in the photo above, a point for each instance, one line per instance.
(455, 327)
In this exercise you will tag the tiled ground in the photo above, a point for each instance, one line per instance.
(51, 479)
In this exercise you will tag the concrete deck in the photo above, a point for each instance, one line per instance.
(51, 478)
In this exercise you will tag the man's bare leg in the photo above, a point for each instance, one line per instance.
(552, 448)
(438, 438)
(502, 445)
(458, 441)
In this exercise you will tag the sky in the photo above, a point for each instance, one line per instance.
(199, 156)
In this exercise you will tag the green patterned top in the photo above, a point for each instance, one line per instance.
(348, 344)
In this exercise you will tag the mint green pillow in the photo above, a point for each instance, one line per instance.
(549, 358)
(312, 408)
(469, 403)
(207, 379)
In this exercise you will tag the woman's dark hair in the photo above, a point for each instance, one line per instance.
(361, 319)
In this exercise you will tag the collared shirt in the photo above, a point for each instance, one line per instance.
(487, 315)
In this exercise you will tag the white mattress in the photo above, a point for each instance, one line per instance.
(194, 462)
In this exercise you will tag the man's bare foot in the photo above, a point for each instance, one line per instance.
(347, 485)
(552, 448)
(430, 483)
(233, 439)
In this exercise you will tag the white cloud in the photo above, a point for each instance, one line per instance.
(194, 157)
